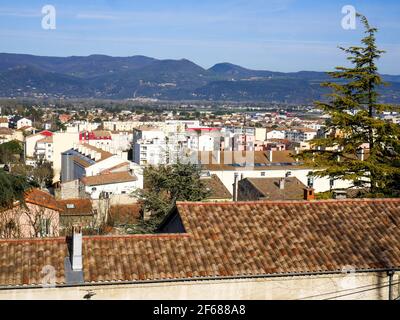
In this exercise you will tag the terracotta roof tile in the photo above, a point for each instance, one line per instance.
(76, 207)
(229, 240)
(41, 198)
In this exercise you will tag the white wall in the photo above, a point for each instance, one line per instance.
(115, 189)
(336, 287)
(62, 141)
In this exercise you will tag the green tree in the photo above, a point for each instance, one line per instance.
(354, 112)
(13, 188)
(11, 152)
(164, 186)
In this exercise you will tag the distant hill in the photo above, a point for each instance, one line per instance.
(100, 76)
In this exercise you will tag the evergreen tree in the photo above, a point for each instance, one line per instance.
(354, 111)
(13, 188)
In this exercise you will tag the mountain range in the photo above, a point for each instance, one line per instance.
(100, 76)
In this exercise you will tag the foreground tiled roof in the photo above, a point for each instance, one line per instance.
(229, 240)
(110, 178)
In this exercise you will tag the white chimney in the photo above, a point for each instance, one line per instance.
(282, 184)
(270, 155)
(76, 254)
(235, 187)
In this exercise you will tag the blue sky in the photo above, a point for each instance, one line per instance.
(278, 35)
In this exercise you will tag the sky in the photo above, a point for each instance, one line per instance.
(276, 35)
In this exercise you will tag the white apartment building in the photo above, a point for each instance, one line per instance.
(275, 134)
(300, 135)
(79, 126)
(44, 149)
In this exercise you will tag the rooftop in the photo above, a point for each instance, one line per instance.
(269, 188)
(110, 178)
(76, 207)
(249, 239)
(217, 189)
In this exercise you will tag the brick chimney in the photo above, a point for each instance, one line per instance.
(309, 194)
(76, 253)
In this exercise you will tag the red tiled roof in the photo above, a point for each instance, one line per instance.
(229, 240)
(41, 198)
(76, 207)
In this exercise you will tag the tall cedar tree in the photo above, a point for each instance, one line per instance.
(354, 113)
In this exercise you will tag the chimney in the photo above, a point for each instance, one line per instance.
(235, 187)
(282, 184)
(309, 194)
(270, 155)
(76, 253)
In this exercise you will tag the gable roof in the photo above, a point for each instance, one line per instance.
(269, 188)
(229, 240)
(43, 199)
(109, 178)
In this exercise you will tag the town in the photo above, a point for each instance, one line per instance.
(143, 178)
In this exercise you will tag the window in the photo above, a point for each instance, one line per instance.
(262, 174)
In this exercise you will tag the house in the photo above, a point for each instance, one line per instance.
(344, 249)
(110, 184)
(77, 212)
(39, 216)
(255, 189)
(7, 135)
(64, 118)
(18, 122)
